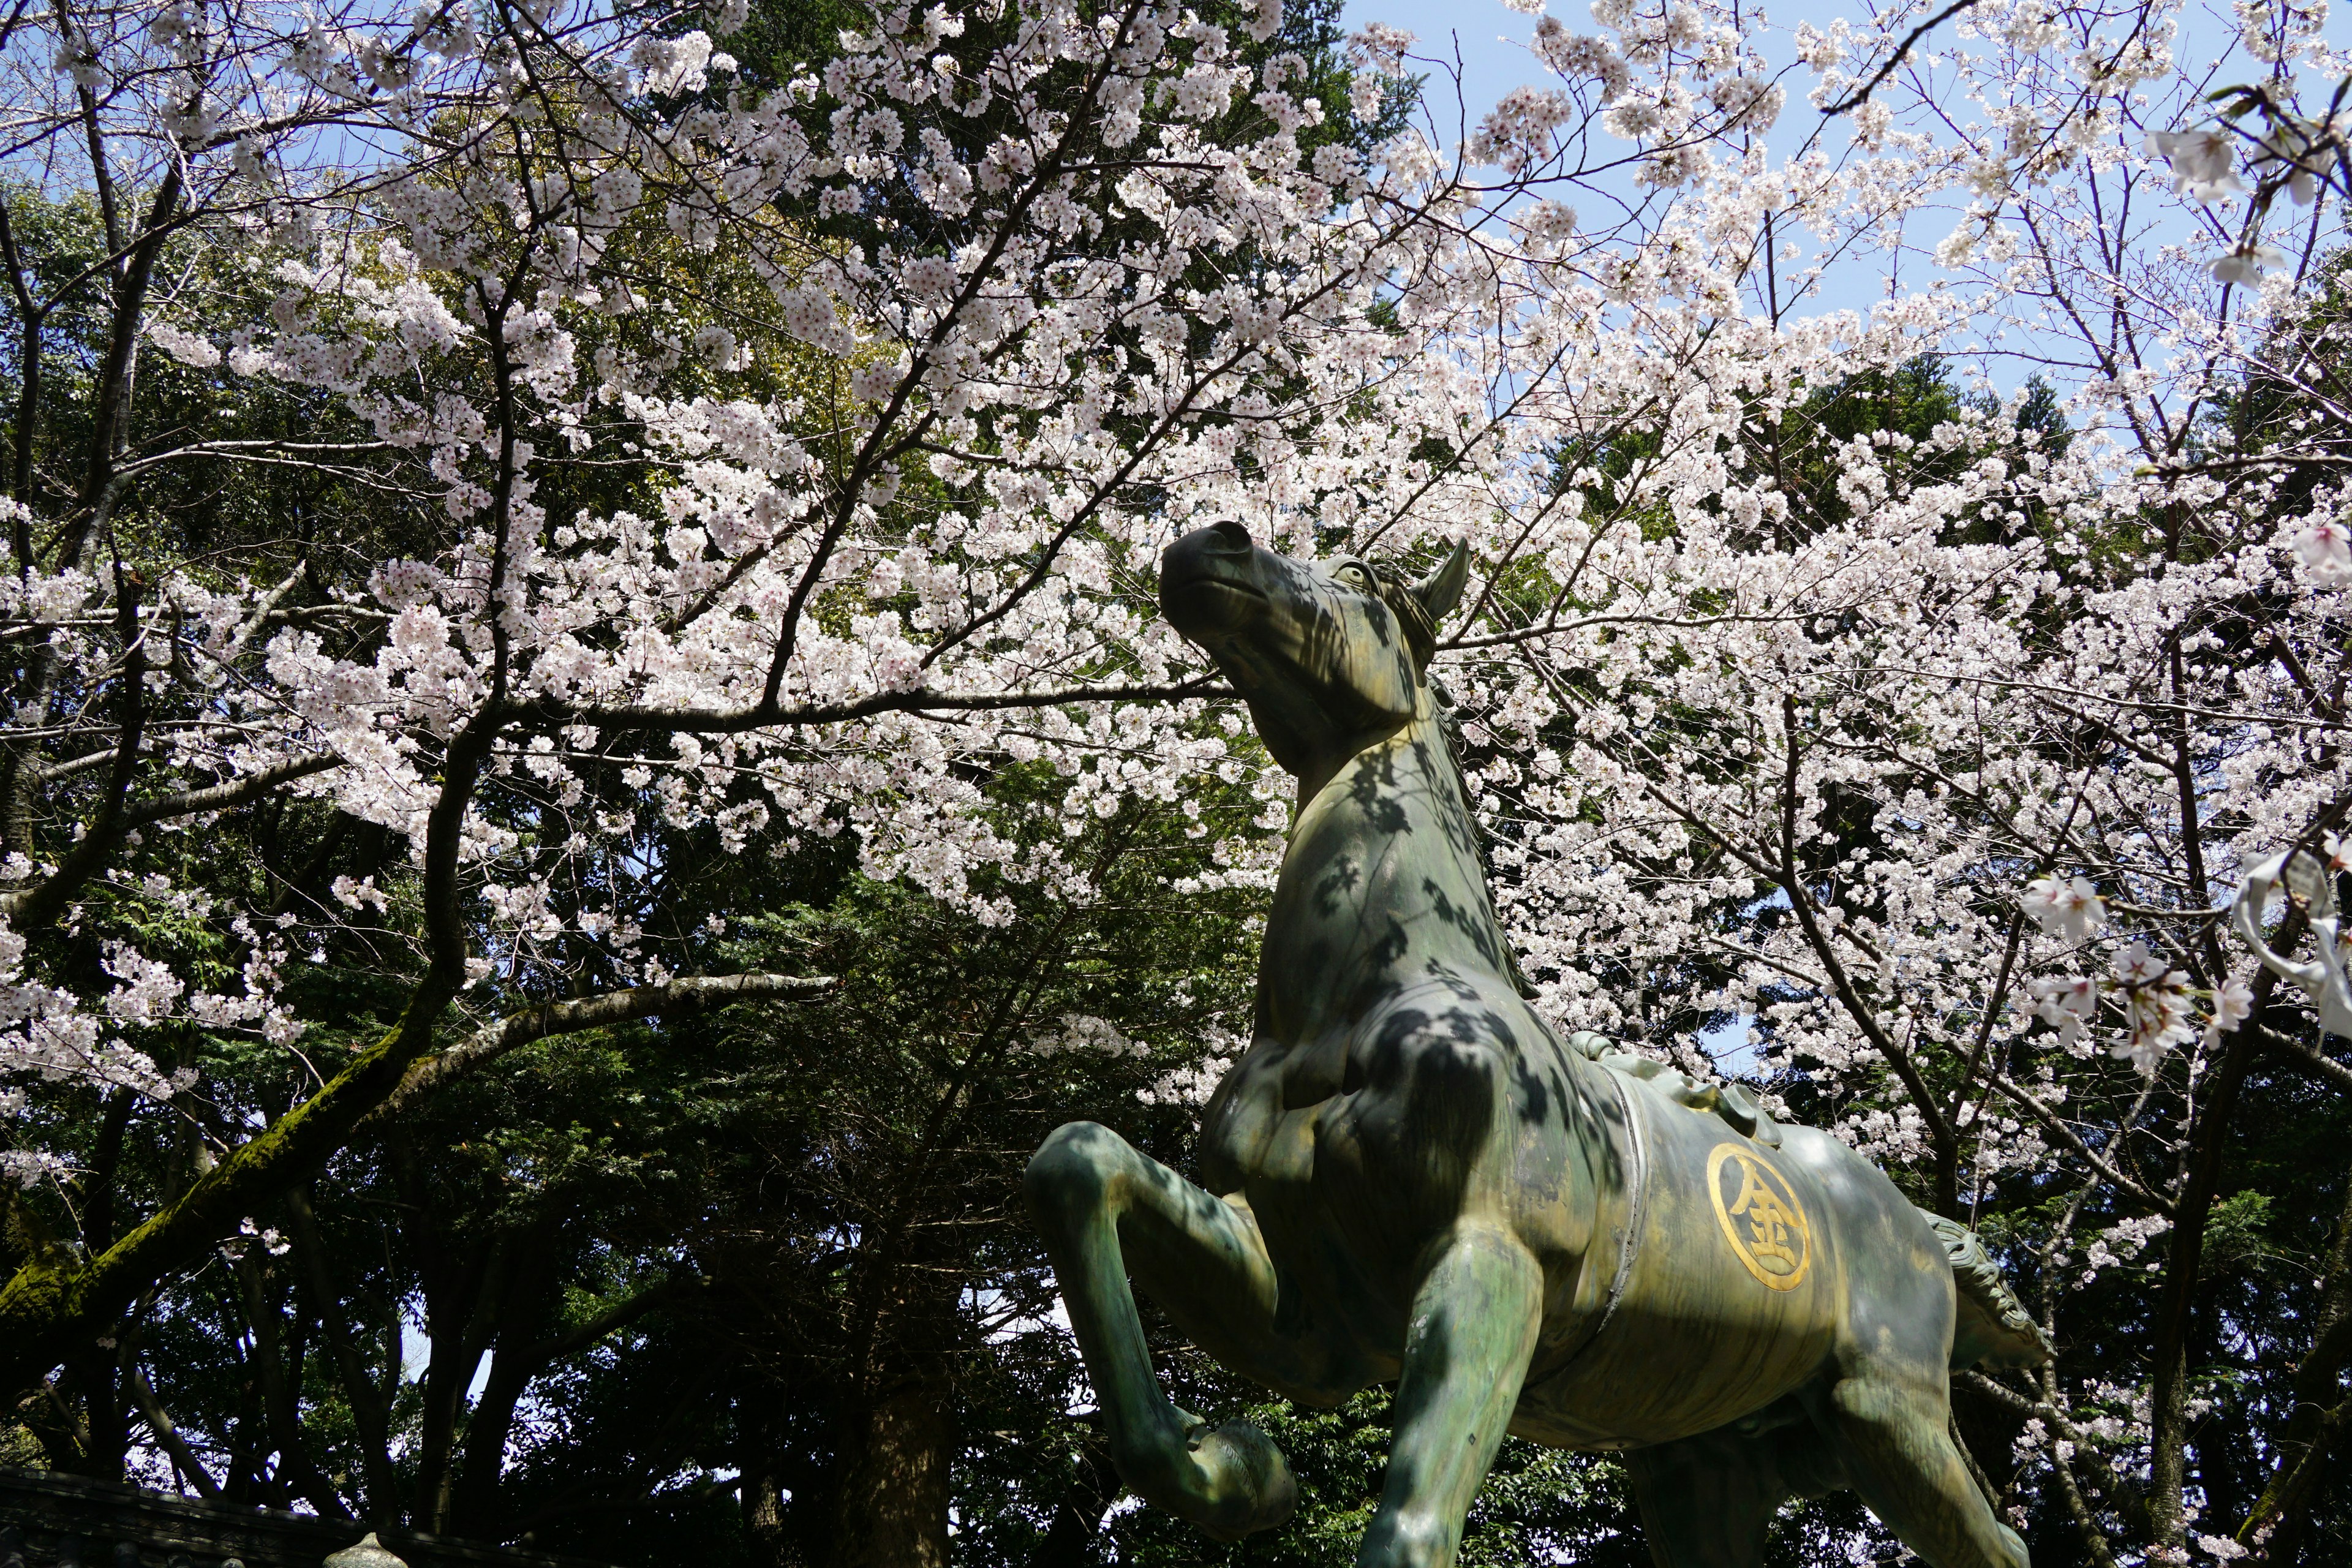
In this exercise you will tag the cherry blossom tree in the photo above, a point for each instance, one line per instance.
(704, 488)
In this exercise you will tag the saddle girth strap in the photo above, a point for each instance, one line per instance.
(1629, 1243)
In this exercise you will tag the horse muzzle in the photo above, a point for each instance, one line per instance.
(1209, 581)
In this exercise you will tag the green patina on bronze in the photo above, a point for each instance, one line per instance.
(1410, 1178)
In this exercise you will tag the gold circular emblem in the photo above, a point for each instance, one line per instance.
(1760, 1215)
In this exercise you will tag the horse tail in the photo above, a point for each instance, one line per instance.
(1993, 1328)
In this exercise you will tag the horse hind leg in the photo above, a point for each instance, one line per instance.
(1104, 1209)
(1706, 1501)
(1894, 1436)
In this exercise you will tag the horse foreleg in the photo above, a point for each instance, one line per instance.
(1474, 1327)
(1203, 1260)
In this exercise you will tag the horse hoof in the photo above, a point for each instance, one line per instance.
(1249, 1487)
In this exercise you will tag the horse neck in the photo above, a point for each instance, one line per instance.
(1382, 881)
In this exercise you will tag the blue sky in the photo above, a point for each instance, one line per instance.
(1492, 38)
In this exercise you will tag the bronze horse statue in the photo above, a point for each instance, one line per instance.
(1411, 1177)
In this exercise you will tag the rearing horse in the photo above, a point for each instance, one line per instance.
(1409, 1177)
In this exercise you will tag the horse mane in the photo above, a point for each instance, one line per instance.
(1480, 840)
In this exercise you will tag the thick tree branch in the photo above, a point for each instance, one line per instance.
(759, 715)
(2310, 1059)
(167, 1436)
(692, 995)
(229, 793)
(281, 1399)
(2207, 1143)
(611, 1319)
(48, 898)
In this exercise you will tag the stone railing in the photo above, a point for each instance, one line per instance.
(52, 1521)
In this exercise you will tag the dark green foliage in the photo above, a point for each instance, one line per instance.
(1539, 1505)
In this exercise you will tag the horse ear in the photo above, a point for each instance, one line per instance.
(1442, 589)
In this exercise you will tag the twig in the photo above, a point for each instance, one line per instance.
(1854, 99)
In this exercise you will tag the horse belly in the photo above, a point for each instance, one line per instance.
(1733, 1299)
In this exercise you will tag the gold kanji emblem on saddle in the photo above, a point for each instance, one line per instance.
(1759, 1215)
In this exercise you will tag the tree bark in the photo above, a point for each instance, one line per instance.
(677, 998)
(2208, 1146)
(760, 1496)
(516, 1360)
(892, 1511)
(483, 1459)
(160, 1427)
(461, 1316)
(280, 1395)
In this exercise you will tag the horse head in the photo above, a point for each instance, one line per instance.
(1330, 658)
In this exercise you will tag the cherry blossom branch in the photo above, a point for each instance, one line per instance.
(1077, 123)
(271, 446)
(1801, 900)
(48, 898)
(2024, 1099)
(45, 900)
(2045, 1408)
(736, 721)
(229, 793)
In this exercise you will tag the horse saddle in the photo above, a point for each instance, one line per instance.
(1733, 1105)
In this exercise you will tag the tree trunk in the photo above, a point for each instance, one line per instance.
(892, 1511)
(370, 1417)
(279, 1380)
(483, 1459)
(1070, 1541)
(110, 1433)
(453, 1321)
(762, 1492)
(2209, 1139)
